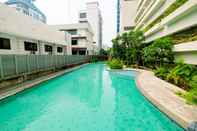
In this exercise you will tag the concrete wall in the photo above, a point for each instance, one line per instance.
(187, 52)
(84, 43)
(188, 57)
(128, 9)
(17, 46)
(95, 19)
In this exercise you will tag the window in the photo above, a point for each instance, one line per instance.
(74, 52)
(72, 32)
(82, 15)
(82, 52)
(74, 42)
(48, 48)
(126, 28)
(5, 43)
(30, 46)
(59, 49)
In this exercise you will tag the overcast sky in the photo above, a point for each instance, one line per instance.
(66, 11)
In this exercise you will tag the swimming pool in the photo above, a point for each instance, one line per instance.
(88, 99)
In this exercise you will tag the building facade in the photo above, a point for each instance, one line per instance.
(172, 18)
(82, 37)
(20, 34)
(93, 16)
(126, 12)
(28, 8)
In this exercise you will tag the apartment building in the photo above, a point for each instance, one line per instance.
(21, 34)
(82, 37)
(173, 18)
(126, 11)
(28, 8)
(92, 15)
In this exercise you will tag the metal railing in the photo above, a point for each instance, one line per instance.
(18, 65)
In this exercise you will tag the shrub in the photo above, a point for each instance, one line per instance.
(94, 59)
(161, 72)
(115, 64)
(158, 53)
(193, 82)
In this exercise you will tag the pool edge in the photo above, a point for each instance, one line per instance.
(182, 120)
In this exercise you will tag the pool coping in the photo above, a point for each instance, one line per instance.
(162, 95)
(29, 84)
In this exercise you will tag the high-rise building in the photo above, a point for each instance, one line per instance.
(28, 8)
(173, 18)
(126, 12)
(118, 17)
(93, 15)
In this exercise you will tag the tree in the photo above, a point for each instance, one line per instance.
(159, 53)
(127, 47)
(103, 52)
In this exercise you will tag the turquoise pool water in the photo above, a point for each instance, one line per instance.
(88, 99)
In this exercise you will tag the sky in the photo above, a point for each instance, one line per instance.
(66, 11)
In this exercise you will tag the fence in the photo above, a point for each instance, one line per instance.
(16, 65)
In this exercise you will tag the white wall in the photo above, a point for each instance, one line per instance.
(17, 46)
(128, 11)
(188, 57)
(95, 20)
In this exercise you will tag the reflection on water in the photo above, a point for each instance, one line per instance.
(88, 99)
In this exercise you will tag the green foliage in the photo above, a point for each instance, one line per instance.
(191, 96)
(161, 72)
(184, 36)
(169, 10)
(183, 75)
(115, 64)
(158, 53)
(103, 52)
(127, 47)
(94, 60)
(193, 81)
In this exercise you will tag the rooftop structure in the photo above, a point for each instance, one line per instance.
(17, 29)
(28, 8)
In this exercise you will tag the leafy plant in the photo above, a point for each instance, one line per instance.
(158, 53)
(161, 72)
(183, 75)
(127, 47)
(115, 64)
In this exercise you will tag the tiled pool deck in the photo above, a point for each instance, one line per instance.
(162, 94)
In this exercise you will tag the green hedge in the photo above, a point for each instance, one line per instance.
(115, 64)
(185, 36)
(169, 10)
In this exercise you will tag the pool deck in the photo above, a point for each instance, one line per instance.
(162, 94)
(4, 93)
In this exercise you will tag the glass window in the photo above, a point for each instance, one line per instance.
(74, 42)
(30, 46)
(74, 52)
(5, 43)
(59, 49)
(82, 15)
(48, 48)
(72, 32)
